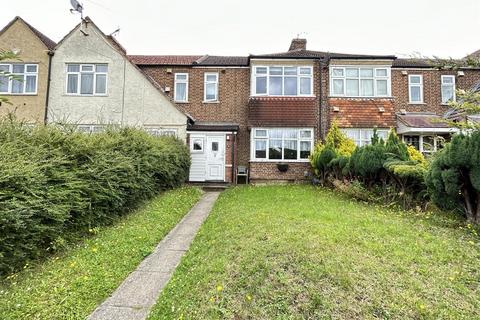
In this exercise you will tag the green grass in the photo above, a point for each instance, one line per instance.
(72, 284)
(299, 252)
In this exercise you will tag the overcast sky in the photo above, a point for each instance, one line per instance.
(447, 28)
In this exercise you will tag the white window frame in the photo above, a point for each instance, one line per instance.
(205, 82)
(375, 78)
(254, 137)
(410, 85)
(193, 138)
(177, 81)
(358, 139)
(253, 88)
(79, 79)
(90, 128)
(24, 80)
(453, 84)
(420, 142)
(159, 132)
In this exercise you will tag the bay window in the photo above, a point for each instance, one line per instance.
(415, 88)
(282, 81)
(448, 89)
(362, 136)
(23, 80)
(87, 79)
(355, 81)
(281, 144)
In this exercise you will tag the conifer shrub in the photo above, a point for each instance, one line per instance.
(55, 182)
(453, 179)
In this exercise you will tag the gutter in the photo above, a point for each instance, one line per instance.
(50, 55)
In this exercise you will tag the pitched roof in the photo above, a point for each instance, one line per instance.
(222, 61)
(309, 54)
(191, 60)
(49, 43)
(163, 60)
(472, 55)
(412, 63)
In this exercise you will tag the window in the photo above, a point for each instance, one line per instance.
(281, 144)
(23, 81)
(196, 145)
(448, 89)
(363, 137)
(90, 128)
(181, 87)
(360, 81)
(415, 88)
(161, 132)
(282, 81)
(210, 87)
(87, 79)
(424, 143)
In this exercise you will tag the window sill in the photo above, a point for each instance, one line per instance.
(19, 94)
(184, 102)
(270, 96)
(216, 101)
(86, 95)
(417, 103)
(357, 97)
(279, 161)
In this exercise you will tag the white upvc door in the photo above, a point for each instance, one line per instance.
(215, 165)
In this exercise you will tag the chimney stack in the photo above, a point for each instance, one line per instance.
(298, 43)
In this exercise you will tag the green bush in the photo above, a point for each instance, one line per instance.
(54, 182)
(453, 179)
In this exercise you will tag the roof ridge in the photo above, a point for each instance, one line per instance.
(201, 59)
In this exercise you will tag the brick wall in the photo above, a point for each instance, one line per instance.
(263, 171)
(432, 96)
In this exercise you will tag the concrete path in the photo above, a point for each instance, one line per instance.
(138, 293)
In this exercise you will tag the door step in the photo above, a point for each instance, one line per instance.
(211, 186)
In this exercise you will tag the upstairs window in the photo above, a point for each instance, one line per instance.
(448, 89)
(23, 80)
(364, 136)
(181, 87)
(87, 79)
(415, 88)
(360, 81)
(210, 87)
(282, 81)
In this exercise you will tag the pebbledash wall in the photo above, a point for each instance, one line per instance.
(131, 99)
(19, 36)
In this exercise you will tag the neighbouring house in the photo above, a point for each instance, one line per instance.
(28, 91)
(94, 84)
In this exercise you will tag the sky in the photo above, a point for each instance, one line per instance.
(444, 28)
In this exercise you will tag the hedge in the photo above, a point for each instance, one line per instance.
(55, 182)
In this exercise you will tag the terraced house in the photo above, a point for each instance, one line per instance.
(266, 112)
(259, 114)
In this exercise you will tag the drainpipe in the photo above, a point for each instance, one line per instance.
(50, 55)
(321, 99)
(123, 91)
(234, 140)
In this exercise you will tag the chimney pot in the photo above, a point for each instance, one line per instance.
(298, 43)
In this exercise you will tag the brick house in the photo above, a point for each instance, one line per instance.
(265, 112)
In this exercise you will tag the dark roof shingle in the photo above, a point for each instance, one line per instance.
(172, 60)
(309, 54)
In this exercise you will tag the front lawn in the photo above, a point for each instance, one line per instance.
(300, 252)
(72, 284)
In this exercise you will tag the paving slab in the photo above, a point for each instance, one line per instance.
(134, 298)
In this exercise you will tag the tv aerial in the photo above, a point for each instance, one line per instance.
(77, 7)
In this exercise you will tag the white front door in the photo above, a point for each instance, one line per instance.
(215, 158)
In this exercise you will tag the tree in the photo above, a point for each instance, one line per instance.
(453, 180)
(4, 75)
(468, 103)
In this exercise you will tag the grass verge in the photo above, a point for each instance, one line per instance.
(300, 252)
(70, 285)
